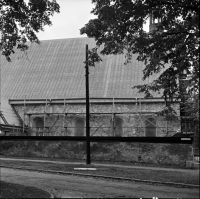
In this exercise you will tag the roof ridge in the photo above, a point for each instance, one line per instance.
(66, 38)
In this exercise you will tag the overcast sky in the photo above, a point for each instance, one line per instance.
(74, 14)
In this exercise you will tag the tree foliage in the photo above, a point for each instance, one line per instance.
(20, 20)
(169, 113)
(171, 49)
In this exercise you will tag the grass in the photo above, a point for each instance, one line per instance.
(83, 161)
(185, 176)
(11, 190)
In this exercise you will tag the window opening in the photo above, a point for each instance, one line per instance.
(79, 127)
(39, 124)
(150, 127)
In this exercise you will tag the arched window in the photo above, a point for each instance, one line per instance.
(117, 127)
(38, 123)
(79, 127)
(150, 127)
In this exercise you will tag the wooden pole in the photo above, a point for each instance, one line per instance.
(0, 80)
(87, 109)
(113, 117)
(24, 113)
(64, 116)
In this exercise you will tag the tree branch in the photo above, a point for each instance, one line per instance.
(174, 33)
(193, 8)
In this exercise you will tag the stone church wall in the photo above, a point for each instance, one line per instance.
(101, 125)
(127, 119)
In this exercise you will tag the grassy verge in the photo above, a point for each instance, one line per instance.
(10, 190)
(95, 161)
(186, 177)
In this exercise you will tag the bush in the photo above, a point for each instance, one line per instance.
(5, 145)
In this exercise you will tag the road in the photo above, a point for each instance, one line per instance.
(75, 186)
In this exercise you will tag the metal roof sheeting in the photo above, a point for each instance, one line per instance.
(8, 113)
(55, 69)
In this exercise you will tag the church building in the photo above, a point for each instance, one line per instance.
(43, 92)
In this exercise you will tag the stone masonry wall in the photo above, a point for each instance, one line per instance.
(133, 123)
(150, 153)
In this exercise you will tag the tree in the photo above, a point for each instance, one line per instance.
(20, 21)
(171, 49)
(192, 110)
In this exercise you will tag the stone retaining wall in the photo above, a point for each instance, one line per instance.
(158, 154)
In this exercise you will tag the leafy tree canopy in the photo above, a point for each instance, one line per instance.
(172, 49)
(20, 21)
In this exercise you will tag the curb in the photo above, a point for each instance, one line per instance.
(109, 177)
(51, 195)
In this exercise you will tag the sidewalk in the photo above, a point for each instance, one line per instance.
(106, 170)
(104, 165)
(144, 167)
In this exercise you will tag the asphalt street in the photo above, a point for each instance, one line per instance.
(76, 186)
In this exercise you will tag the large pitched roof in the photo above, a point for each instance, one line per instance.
(55, 69)
(8, 113)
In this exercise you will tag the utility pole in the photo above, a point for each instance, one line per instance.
(87, 109)
(24, 113)
(0, 79)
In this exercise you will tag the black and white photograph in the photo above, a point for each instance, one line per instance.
(99, 99)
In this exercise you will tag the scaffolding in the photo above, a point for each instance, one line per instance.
(134, 122)
(102, 123)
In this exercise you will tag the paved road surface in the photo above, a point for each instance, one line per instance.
(75, 186)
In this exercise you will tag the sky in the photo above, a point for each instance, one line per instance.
(74, 14)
